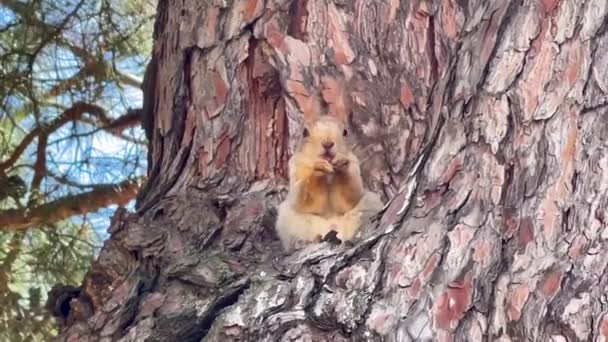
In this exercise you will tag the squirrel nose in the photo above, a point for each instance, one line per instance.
(328, 144)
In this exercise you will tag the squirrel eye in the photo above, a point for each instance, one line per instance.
(345, 132)
(305, 133)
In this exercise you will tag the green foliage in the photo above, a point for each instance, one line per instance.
(30, 264)
(70, 88)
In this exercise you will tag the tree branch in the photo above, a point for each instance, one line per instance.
(128, 79)
(90, 60)
(74, 113)
(40, 165)
(61, 209)
(130, 119)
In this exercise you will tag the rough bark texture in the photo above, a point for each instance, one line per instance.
(484, 122)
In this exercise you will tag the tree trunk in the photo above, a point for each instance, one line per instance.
(483, 121)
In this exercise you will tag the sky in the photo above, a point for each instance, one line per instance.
(77, 150)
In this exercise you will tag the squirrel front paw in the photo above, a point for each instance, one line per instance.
(340, 164)
(323, 166)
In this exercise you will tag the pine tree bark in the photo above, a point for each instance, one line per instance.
(483, 123)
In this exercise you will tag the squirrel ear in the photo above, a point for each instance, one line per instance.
(305, 133)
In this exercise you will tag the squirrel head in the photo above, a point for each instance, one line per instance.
(325, 118)
(324, 137)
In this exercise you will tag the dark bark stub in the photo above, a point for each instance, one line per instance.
(484, 121)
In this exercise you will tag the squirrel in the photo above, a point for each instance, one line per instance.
(326, 191)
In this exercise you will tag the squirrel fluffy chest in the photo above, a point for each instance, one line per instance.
(328, 195)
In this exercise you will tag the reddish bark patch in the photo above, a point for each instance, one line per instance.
(549, 5)
(211, 22)
(424, 276)
(222, 152)
(250, 9)
(431, 265)
(489, 39)
(217, 95)
(190, 125)
(451, 170)
(391, 11)
(453, 303)
(561, 189)
(526, 232)
(569, 152)
(281, 137)
(221, 89)
(551, 283)
(518, 299)
(483, 251)
(537, 43)
(406, 96)
(578, 246)
(604, 328)
(448, 20)
(276, 39)
(203, 162)
(340, 57)
(414, 289)
(298, 19)
(433, 198)
(574, 65)
(264, 141)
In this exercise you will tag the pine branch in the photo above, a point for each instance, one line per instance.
(75, 112)
(66, 207)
